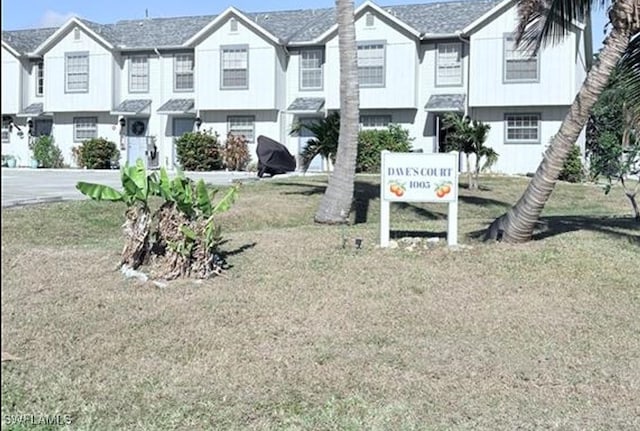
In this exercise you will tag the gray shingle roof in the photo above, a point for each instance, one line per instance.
(132, 106)
(27, 40)
(442, 18)
(290, 27)
(446, 102)
(32, 110)
(306, 104)
(177, 105)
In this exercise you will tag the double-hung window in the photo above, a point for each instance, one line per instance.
(85, 128)
(235, 67)
(138, 74)
(520, 64)
(242, 126)
(449, 64)
(374, 121)
(76, 72)
(371, 64)
(6, 121)
(39, 78)
(183, 72)
(311, 69)
(522, 128)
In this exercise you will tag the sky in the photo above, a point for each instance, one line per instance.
(21, 14)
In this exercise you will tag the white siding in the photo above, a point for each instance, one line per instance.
(263, 70)
(556, 65)
(519, 158)
(11, 82)
(401, 64)
(100, 94)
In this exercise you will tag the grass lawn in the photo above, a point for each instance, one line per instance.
(305, 334)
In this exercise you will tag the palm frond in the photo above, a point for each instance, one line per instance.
(629, 73)
(548, 22)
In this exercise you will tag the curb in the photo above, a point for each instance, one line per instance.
(35, 201)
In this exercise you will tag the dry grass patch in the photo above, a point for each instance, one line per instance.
(305, 334)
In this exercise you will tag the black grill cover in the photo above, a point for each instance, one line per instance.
(273, 157)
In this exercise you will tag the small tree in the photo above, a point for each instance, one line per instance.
(199, 151)
(468, 137)
(236, 152)
(372, 142)
(326, 133)
(96, 153)
(46, 152)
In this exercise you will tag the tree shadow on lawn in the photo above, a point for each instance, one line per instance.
(613, 226)
(225, 254)
(365, 192)
(551, 226)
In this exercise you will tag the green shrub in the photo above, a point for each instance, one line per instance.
(573, 170)
(96, 153)
(46, 153)
(372, 142)
(236, 152)
(199, 151)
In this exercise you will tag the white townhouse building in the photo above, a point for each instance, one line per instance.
(141, 83)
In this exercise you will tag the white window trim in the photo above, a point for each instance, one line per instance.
(538, 115)
(224, 48)
(250, 118)
(67, 55)
(301, 80)
(175, 73)
(77, 120)
(384, 62)
(147, 78)
(507, 37)
(438, 78)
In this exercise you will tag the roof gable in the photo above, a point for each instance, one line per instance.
(229, 13)
(89, 27)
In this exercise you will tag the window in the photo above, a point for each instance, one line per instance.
(84, 128)
(76, 33)
(519, 64)
(311, 69)
(39, 78)
(522, 128)
(371, 64)
(369, 19)
(183, 72)
(242, 126)
(138, 74)
(235, 62)
(374, 121)
(449, 64)
(6, 121)
(77, 72)
(233, 25)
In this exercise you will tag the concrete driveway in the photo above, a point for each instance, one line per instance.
(28, 186)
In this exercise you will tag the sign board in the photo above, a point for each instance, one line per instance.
(419, 177)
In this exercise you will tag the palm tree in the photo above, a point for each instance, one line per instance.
(548, 21)
(335, 205)
(326, 134)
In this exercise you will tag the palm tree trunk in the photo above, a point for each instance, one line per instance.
(335, 205)
(518, 224)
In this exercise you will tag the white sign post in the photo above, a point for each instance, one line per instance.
(419, 177)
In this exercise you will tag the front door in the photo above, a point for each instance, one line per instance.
(137, 141)
(180, 127)
(42, 127)
(304, 136)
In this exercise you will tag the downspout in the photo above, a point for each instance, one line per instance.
(161, 140)
(468, 43)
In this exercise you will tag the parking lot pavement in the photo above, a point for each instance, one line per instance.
(29, 186)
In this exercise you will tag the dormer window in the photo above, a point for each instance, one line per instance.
(369, 19)
(233, 24)
(76, 33)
